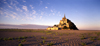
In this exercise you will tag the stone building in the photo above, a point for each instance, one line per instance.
(64, 24)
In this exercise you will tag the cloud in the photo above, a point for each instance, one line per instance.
(30, 18)
(59, 15)
(53, 13)
(11, 3)
(10, 7)
(6, 13)
(1, 8)
(46, 7)
(6, 16)
(40, 2)
(1, 12)
(34, 12)
(18, 9)
(58, 12)
(51, 10)
(34, 16)
(13, 16)
(49, 14)
(17, 18)
(4, 0)
(42, 13)
(24, 1)
(14, 13)
(22, 19)
(16, 2)
(48, 3)
(25, 8)
(31, 6)
(40, 17)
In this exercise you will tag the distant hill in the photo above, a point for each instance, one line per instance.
(22, 26)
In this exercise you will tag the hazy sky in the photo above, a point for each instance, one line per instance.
(84, 13)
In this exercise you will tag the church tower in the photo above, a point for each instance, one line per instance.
(63, 22)
(64, 18)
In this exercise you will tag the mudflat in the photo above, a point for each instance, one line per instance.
(31, 37)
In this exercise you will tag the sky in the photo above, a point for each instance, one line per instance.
(85, 14)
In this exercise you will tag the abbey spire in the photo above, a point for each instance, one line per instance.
(64, 16)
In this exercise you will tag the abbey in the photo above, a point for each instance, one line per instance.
(65, 24)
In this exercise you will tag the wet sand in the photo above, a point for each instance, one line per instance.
(57, 37)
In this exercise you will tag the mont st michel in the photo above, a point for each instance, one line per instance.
(64, 24)
(49, 22)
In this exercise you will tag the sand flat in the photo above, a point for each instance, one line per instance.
(57, 37)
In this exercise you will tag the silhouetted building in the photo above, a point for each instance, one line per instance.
(64, 24)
